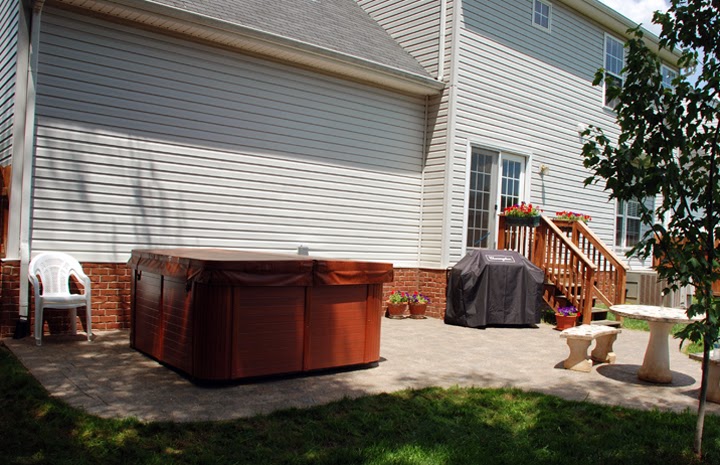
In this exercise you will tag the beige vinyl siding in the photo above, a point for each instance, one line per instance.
(414, 24)
(526, 90)
(152, 141)
(9, 14)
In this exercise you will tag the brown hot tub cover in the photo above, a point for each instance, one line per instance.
(223, 314)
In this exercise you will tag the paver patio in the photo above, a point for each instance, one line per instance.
(108, 379)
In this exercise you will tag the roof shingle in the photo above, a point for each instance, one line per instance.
(338, 25)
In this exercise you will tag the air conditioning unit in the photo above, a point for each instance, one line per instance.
(644, 288)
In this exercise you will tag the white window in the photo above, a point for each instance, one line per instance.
(541, 14)
(481, 198)
(628, 227)
(668, 75)
(496, 180)
(614, 64)
(513, 178)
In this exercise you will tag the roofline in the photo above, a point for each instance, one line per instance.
(619, 24)
(163, 17)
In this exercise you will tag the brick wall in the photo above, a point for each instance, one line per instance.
(110, 300)
(111, 286)
(9, 297)
(430, 282)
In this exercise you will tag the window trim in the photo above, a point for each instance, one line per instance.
(676, 73)
(621, 77)
(501, 151)
(649, 202)
(549, 15)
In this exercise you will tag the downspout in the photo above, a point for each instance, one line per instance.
(28, 158)
(441, 45)
(423, 165)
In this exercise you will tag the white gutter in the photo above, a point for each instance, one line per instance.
(28, 156)
(451, 130)
(441, 45)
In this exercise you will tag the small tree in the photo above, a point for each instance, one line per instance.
(669, 145)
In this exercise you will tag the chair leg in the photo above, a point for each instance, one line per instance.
(578, 358)
(88, 318)
(38, 323)
(603, 352)
(73, 321)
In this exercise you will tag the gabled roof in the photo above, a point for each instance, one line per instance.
(335, 36)
(339, 25)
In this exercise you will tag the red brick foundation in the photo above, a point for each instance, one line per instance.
(9, 297)
(110, 300)
(430, 282)
(111, 288)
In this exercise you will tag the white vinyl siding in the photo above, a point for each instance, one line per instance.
(524, 91)
(149, 141)
(9, 14)
(414, 24)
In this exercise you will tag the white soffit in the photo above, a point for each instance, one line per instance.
(238, 37)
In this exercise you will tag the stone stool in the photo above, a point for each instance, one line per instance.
(713, 390)
(579, 339)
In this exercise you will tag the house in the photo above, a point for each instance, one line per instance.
(507, 126)
(375, 130)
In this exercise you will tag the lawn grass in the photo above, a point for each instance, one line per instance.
(427, 426)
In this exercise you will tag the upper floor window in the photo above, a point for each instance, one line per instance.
(541, 14)
(668, 75)
(614, 64)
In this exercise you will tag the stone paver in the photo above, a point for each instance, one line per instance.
(108, 379)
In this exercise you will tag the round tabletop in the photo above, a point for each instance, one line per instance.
(653, 313)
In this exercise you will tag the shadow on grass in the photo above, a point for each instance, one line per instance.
(428, 426)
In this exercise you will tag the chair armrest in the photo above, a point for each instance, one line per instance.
(83, 279)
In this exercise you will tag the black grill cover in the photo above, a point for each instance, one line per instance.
(494, 287)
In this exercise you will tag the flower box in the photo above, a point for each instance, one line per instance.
(532, 221)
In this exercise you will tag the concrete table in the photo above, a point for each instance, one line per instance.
(656, 365)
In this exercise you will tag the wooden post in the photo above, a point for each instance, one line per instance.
(501, 230)
(587, 296)
(538, 251)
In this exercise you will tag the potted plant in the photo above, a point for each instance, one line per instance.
(572, 216)
(523, 214)
(418, 304)
(565, 317)
(397, 303)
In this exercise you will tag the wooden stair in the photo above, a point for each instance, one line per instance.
(579, 269)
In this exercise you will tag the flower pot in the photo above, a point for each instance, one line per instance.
(532, 221)
(417, 311)
(396, 310)
(564, 322)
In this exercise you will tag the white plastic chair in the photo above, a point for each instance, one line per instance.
(54, 270)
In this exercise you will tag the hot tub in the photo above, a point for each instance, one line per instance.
(222, 315)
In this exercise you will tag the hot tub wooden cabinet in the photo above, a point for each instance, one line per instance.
(222, 315)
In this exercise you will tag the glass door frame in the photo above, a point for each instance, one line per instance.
(500, 154)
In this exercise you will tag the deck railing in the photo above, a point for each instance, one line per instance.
(567, 269)
(611, 272)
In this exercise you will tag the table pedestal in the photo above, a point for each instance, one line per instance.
(656, 365)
